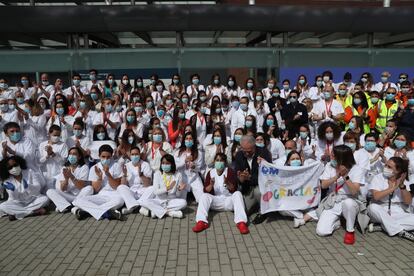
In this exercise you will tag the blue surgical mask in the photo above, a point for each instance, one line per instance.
(260, 145)
(181, 116)
(139, 83)
(390, 97)
(175, 81)
(76, 82)
(243, 107)
(110, 81)
(303, 135)
(342, 92)
(370, 146)
(384, 79)
(327, 95)
(357, 101)
(157, 138)
(218, 110)
(130, 119)
(82, 105)
(168, 102)
(287, 152)
(166, 168)
(12, 107)
(219, 165)
(150, 104)
(286, 87)
(195, 81)
(100, 136)
(203, 98)
(270, 122)
(400, 144)
(235, 104)
(108, 108)
(333, 163)
(60, 110)
(15, 137)
(374, 100)
(25, 82)
(105, 162)
(351, 125)
(138, 108)
(301, 82)
(249, 124)
(77, 132)
(130, 140)
(216, 82)
(276, 94)
(295, 163)
(351, 145)
(217, 140)
(92, 77)
(259, 98)
(319, 83)
(188, 143)
(237, 137)
(72, 159)
(20, 100)
(3, 86)
(135, 159)
(94, 96)
(230, 83)
(250, 85)
(410, 102)
(160, 113)
(4, 107)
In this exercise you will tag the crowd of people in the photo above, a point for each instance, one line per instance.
(109, 148)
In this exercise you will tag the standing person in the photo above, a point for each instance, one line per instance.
(247, 171)
(71, 182)
(23, 187)
(294, 114)
(168, 189)
(343, 178)
(387, 109)
(220, 194)
(106, 177)
(390, 200)
(176, 126)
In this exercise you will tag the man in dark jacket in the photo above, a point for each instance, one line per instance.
(294, 114)
(247, 170)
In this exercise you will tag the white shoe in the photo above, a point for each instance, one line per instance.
(126, 211)
(175, 214)
(57, 210)
(74, 209)
(144, 211)
(374, 228)
(298, 222)
(153, 215)
(337, 225)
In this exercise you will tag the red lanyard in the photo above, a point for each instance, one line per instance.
(153, 150)
(105, 119)
(201, 119)
(338, 188)
(327, 146)
(328, 107)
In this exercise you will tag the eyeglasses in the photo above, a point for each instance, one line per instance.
(292, 97)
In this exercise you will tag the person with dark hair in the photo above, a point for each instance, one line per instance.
(215, 88)
(110, 86)
(367, 81)
(401, 147)
(108, 117)
(391, 196)
(126, 142)
(329, 135)
(61, 117)
(387, 109)
(195, 87)
(93, 77)
(406, 117)
(176, 88)
(220, 194)
(176, 126)
(294, 114)
(155, 149)
(53, 153)
(168, 189)
(80, 138)
(232, 88)
(71, 182)
(343, 179)
(305, 144)
(218, 145)
(359, 107)
(23, 187)
(105, 177)
(390, 131)
(76, 89)
(285, 89)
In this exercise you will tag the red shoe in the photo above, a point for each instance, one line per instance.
(242, 226)
(349, 238)
(200, 226)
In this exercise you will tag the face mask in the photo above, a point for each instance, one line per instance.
(76, 82)
(60, 111)
(329, 136)
(249, 124)
(150, 136)
(160, 113)
(405, 90)
(402, 79)
(293, 100)
(15, 171)
(153, 82)
(3, 86)
(82, 105)
(188, 143)
(108, 108)
(370, 146)
(230, 83)
(157, 138)
(92, 77)
(410, 102)
(276, 94)
(175, 81)
(319, 83)
(237, 137)
(130, 140)
(25, 82)
(110, 81)
(218, 110)
(286, 87)
(219, 165)
(12, 107)
(303, 135)
(216, 82)
(168, 102)
(149, 104)
(327, 95)
(203, 98)
(364, 80)
(54, 139)
(400, 144)
(301, 82)
(72, 159)
(342, 92)
(45, 83)
(135, 159)
(77, 132)
(166, 168)
(295, 163)
(217, 140)
(333, 163)
(203, 110)
(351, 145)
(181, 116)
(235, 104)
(196, 81)
(387, 173)
(4, 107)
(243, 107)
(125, 82)
(157, 125)
(357, 101)
(15, 137)
(287, 152)
(20, 100)
(250, 85)
(374, 100)
(260, 145)
(269, 122)
(326, 78)
(384, 79)
(100, 136)
(138, 108)
(105, 162)
(259, 98)
(270, 85)
(159, 88)
(94, 96)
(26, 109)
(139, 83)
(390, 97)
(351, 125)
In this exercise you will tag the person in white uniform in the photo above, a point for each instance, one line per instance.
(71, 182)
(391, 198)
(135, 183)
(343, 178)
(106, 177)
(23, 187)
(168, 187)
(220, 194)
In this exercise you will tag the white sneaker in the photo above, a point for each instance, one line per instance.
(175, 214)
(126, 211)
(144, 211)
(57, 210)
(374, 228)
(298, 222)
(153, 215)
(74, 209)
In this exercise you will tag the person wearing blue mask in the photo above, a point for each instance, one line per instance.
(176, 87)
(6, 114)
(136, 183)
(105, 177)
(294, 114)
(238, 118)
(94, 81)
(305, 144)
(195, 86)
(268, 90)
(61, 117)
(234, 147)
(176, 125)
(108, 117)
(216, 88)
(127, 141)
(405, 117)
(110, 86)
(218, 145)
(328, 109)
(26, 86)
(387, 109)
(76, 89)
(221, 194)
(401, 147)
(155, 149)
(168, 188)
(375, 155)
(249, 89)
(79, 139)
(131, 122)
(232, 89)
(385, 83)
(71, 182)
(302, 86)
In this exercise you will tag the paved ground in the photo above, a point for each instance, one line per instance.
(60, 245)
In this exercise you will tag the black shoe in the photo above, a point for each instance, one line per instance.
(116, 215)
(406, 235)
(81, 215)
(259, 219)
(12, 218)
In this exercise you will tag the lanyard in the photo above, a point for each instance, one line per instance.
(105, 118)
(153, 150)
(168, 181)
(389, 203)
(201, 118)
(337, 188)
(327, 145)
(328, 107)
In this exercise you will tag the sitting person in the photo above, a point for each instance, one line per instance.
(23, 187)
(220, 194)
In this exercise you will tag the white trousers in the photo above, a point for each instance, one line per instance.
(197, 188)
(63, 200)
(348, 208)
(21, 209)
(300, 213)
(98, 204)
(162, 206)
(131, 198)
(393, 224)
(221, 203)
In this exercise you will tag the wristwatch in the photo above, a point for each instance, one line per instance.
(402, 186)
(346, 178)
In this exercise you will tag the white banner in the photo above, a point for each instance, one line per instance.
(289, 188)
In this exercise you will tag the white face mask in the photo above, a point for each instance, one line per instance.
(15, 171)
(54, 139)
(125, 82)
(388, 173)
